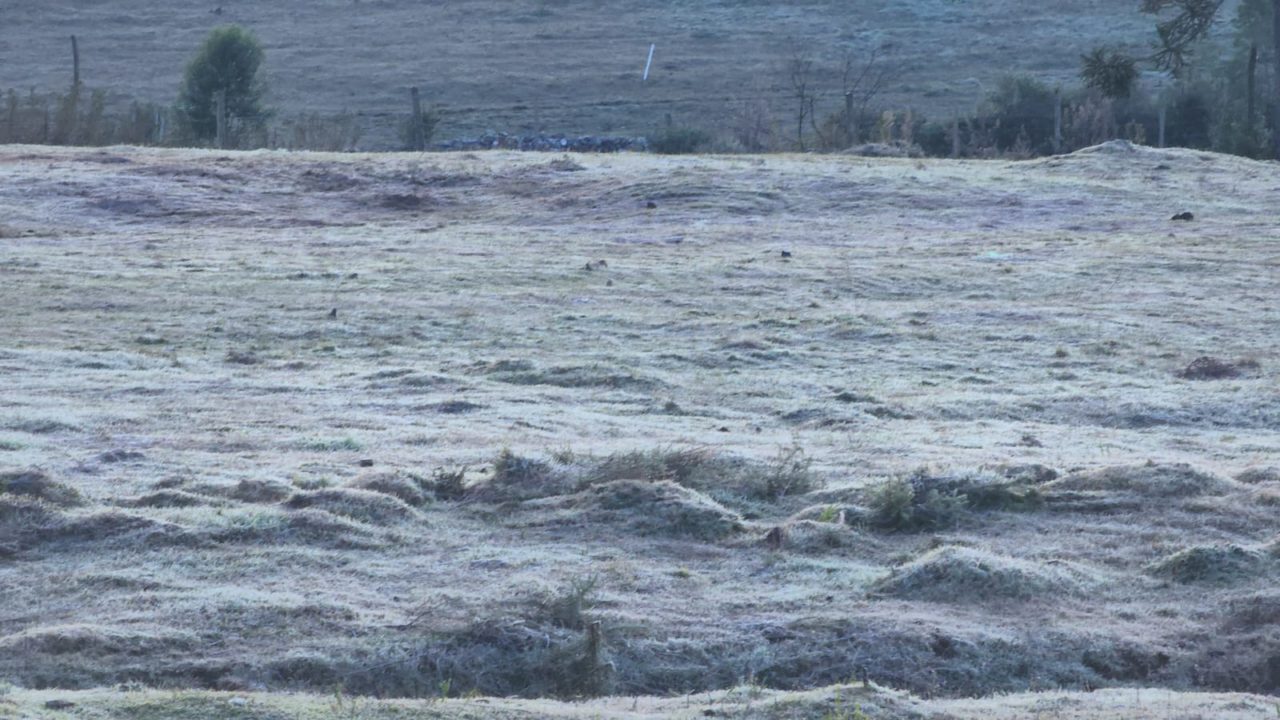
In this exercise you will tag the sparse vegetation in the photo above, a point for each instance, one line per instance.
(219, 499)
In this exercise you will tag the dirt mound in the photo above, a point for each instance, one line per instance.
(397, 485)
(651, 508)
(37, 484)
(1151, 480)
(1210, 564)
(963, 575)
(367, 506)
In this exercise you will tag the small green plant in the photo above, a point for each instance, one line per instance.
(892, 504)
(840, 711)
(339, 445)
(906, 504)
(344, 706)
(567, 606)
(320, 483)
(829, 514)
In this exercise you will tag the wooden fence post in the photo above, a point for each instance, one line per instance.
(220, 111)
(417, 137)
(75, 62)
(850, 137)
(1057, 120)
(73, 102)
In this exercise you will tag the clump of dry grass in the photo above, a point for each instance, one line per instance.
(38, 485)
(516, 478)
(954, 574)
(1211, 368)
(1157, 480)
(1210, 564)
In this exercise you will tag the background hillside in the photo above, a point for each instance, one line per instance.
(570, 66)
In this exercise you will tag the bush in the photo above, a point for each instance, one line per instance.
(423, 128)
(229, 61)
(1021, 110)
(679, 141)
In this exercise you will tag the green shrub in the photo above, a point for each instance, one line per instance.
(229, 60)
(892, 504)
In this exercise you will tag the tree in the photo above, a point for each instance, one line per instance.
(229, 61)
(1110, 72)
(1191, 23)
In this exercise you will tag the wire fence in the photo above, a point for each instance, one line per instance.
(758, 121)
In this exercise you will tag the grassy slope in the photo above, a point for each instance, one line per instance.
(175, 305)
(566, 65)
(835, 703)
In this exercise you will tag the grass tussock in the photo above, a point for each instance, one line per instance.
(82, 639)
(960, 575)
(1156, 480)
(395, 484)
(518, 478)
(814, 536)
(367, 506)
(104, 526)
(729, 480)
(1208, 564)
(308, 526)
(1259, 475)
(169, 499)
(647, 507)
(38, 485)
